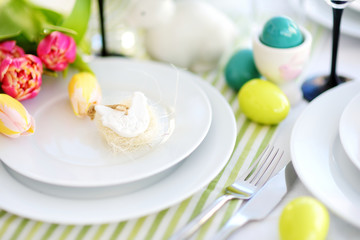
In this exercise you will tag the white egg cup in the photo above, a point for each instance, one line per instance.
(283, 66)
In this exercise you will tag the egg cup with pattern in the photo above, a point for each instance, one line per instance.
(283, 66)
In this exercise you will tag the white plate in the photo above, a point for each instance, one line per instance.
(69, 151)
(312, 142)
(349, 130)
(320, 12)
(355, 6)
(194, 173)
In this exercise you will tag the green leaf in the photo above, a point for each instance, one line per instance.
(81, 65)
(52, 17)
(59, 28)
(78, 19)
(20, 15)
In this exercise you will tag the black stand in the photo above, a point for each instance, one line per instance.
(104, 52)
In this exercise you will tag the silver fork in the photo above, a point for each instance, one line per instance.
(242, 189)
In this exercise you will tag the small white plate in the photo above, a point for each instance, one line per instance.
(349, 130)
(194, 173)
(312, 143)
(69, 151)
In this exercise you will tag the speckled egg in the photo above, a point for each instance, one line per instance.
(240, 69)
(263, 102)
(281, 32)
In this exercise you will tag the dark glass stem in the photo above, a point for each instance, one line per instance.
(337, 13)
(102, 29)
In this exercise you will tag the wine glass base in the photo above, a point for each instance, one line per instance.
(314, 86)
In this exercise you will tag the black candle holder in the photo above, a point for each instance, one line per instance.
(104, 51)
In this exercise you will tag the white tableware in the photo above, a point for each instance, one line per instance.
(355, 6)
(321, 13)
(282, 66)
(69, 151)
(349, 130)
(194, 173)
(315, 159)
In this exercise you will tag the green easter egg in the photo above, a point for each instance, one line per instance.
(281, 32)
(263, 102)
(240, 69)
(304, 218)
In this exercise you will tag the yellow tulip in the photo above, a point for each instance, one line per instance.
(14, 118)
(84, 91)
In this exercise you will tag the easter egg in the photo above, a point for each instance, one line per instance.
(240, 69)
(281, 32)
(304, 218)
(263, 102)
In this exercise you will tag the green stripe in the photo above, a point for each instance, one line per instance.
(136, 228)
(2, 213)
(118, 230)
(83, 232)
(49, 231)
(66, 232)
(100, 231)
(174, 221)
(233, 175)
(156, 224)
(224, 89)
(33, 230)
(232, 99)
(217, 76)
(200, 205)
(6, 225)
(241, 133)
(232, 206)
(234, 172)
(19, 228)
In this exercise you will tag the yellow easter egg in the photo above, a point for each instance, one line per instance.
(84, 91)
(304, 218)
(263, 102)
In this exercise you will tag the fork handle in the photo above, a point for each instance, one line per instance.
(203, 217)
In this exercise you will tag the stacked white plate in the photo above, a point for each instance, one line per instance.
(325, 147)
(68, 174)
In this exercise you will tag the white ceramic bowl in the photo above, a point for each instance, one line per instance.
(281, 65)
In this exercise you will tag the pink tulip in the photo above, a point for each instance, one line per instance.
(10, 49)
(21, 77)
(56, 51)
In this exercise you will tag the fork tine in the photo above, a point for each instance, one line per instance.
(254, 165)
(268, 170)
(263, 166)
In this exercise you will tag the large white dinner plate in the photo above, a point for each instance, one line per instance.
(195, 172)
(69, 151)
(320, 12)
(312, 149)
(349, 130)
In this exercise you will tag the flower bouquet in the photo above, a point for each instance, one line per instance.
(35, 41)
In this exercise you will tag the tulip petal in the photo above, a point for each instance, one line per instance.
(14, 118)
(84, 91)
(57, 50)
(21, 77)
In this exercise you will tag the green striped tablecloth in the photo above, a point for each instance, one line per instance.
(251, 139)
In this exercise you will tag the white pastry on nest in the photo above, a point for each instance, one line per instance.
(127, 126)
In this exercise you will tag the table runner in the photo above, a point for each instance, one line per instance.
(251, 139)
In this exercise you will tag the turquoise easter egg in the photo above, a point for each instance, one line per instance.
(281, 32)
(240, 69)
